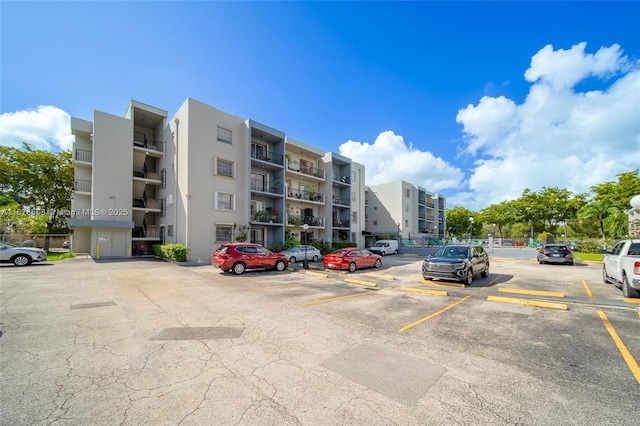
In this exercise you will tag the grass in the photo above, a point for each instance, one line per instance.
(594, 257)
(59, 256)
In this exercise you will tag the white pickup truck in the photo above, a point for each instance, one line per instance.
(622, 267)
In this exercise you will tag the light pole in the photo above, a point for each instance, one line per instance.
(470, 227)
(305, 262)
(435, 234)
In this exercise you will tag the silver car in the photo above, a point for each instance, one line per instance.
(296, 253)
(21, 256)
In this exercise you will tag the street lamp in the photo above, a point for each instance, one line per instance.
(305, 263)
(470, 228)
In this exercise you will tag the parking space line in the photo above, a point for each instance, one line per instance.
(317, 274)
(269, 287)
(316, 302)
(444, 283)
(536, 303)
(435, 314)
(622, 348)
(361, 282)
(424, 291)
(531, 292)
(631, 300)
(381, 276)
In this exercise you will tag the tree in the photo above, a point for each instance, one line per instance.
(598, 210)
(459, 223)
(619, 193)
(40, 182)
(502, 215)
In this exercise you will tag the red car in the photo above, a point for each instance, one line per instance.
(238, 257)
(352, 258)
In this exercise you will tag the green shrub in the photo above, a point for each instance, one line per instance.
(590, 247)
(173, 252)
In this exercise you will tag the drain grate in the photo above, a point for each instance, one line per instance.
(198, 333)
(93, 305)
(397, 376)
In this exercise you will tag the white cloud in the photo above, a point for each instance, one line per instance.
(559, 136)
(386, 161)
(46, 128)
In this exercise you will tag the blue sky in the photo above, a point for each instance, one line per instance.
(473, 100)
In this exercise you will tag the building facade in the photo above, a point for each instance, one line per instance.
(404, 210)
(202, 178)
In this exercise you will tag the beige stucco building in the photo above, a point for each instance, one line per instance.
(202, 178)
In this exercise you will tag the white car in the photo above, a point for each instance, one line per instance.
(296, 253)
(21, 256)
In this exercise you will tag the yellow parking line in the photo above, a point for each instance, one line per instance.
(316, 302)
(628, 358)
(381, 276)
(268, 287)
(424, 291)
(631, 300)
(361, 282)
(588, 291)
(444, 283)
(531, 292)
(536, 303)
(420, 321)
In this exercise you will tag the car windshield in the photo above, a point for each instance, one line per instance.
(555, 248)
(454, 252)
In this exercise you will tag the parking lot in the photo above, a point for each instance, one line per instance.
(150, 342)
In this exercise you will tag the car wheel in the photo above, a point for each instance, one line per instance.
(352, 266)
(378, 263)
(626, 290)
(238, 268)
(469, 277)
(21, 260)
(427, 278)
(382, 253)
(315, 258)
(280, 265)
(395, 252)
(605, 277)
(485, 273)
(292, 259)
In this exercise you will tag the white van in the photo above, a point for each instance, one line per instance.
(383, 247)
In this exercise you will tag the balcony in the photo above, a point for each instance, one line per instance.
(140, 141)
(81, 185)
(147, 204)
(311, 196)
(305, 169)
(143, 173)
(266, 159)
(83, 155)
(262, 186)
(341, 201)
(298, 221)
(263, 216)
(149, 232)
(337, 223)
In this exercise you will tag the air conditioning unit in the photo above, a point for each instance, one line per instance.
(170, 199)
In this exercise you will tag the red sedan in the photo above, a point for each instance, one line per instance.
(238, 257)
(352, 258)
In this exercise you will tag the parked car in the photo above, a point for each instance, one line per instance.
(238, 257)
(383, 247)
(66, 245)
(555, 253)
(622, 267)
(21, 256)
(352, 258)
(29, 243)
(298, 253)
(460, 262)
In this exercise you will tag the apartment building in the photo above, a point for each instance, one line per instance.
(404, 210)
(202, 178)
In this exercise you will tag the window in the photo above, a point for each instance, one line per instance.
(406, 208)
(353, 177)
(407, 193)
(170, 230)
(223, 233)
(224, 135)
(354, 217)
(375, 223)
(224, 168)
(224, 201)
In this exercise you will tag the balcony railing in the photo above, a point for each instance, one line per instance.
(150, 203)
(337, 223)
(83, 155)
(81, 185)
(261, 185)
(264, 216)
(148, 231)
(305, 169)
(343, 201)
(142, 172)
(140, 141)
(298, 221)
(297, 194)
(268, 156)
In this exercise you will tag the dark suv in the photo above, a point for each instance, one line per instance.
(555, 253)
(238, 257)
(460, 262)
